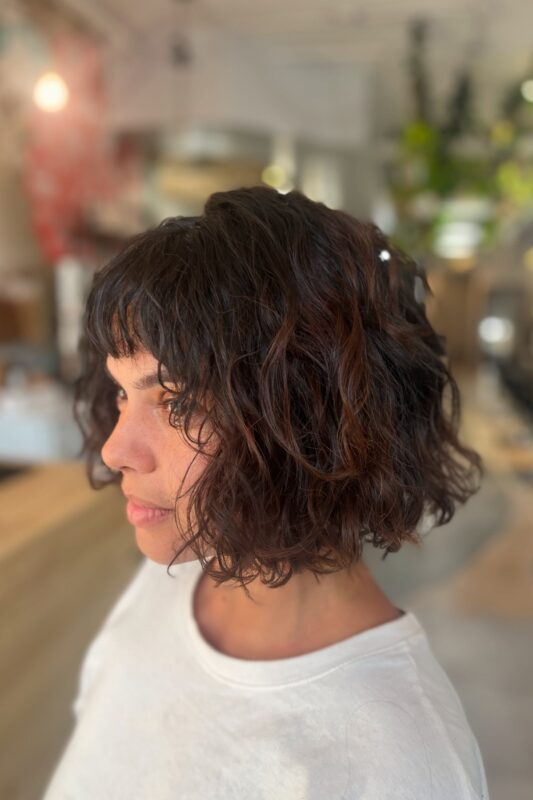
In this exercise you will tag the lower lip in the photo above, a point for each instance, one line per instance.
(142, 516)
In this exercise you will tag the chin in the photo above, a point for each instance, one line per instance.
(161, 546)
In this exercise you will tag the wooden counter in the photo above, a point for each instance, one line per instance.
(66, 553)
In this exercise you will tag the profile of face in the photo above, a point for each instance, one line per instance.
(153, 457)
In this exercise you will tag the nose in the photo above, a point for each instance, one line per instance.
(128, 448)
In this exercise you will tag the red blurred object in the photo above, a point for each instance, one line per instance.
(68, 156)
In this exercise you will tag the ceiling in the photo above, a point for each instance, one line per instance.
(335, 68)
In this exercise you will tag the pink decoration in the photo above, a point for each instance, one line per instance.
(68, 158)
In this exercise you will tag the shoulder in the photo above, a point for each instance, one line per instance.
(388, 740)
(400, 751)
(100, 647)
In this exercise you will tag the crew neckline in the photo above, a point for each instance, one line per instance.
(294, 669)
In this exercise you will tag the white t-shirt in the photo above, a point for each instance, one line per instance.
(163, 715)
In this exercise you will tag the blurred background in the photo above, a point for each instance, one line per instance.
(115, 114)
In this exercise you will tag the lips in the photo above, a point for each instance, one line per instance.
(142, 503)
(142, 515)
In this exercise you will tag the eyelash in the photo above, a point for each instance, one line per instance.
(164, 404)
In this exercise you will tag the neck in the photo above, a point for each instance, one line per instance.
(297, 618)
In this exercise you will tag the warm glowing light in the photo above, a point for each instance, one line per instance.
(527, 90)
(274, 175)
(50, 92)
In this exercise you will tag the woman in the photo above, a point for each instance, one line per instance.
(264, 385)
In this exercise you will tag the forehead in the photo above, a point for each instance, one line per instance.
(141, 361)
(139, 370)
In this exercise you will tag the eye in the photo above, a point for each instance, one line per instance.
(118, 397)
(178, 410)
(167, 403)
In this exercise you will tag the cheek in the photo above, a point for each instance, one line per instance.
(175, 456)
(179, 461)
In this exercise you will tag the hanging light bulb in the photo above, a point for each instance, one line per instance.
(50, 92)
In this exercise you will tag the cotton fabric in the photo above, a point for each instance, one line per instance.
(162, 715)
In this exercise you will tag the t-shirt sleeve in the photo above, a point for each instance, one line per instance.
(391, 750)
(402, 758)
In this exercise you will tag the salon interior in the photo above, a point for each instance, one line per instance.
(417, 116)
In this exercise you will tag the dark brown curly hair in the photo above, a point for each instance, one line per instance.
(307, 329)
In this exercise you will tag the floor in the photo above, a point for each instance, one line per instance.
(471, 586)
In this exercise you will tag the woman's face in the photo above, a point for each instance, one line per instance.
(152, 457)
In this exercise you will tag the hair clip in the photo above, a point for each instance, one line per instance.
(384, 255)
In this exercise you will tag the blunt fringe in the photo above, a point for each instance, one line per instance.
(335, 411)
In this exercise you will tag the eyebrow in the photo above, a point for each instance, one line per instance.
(146, 382)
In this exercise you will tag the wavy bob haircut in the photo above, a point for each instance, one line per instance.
(306, 329)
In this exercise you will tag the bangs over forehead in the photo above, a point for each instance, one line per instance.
(135, 301)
